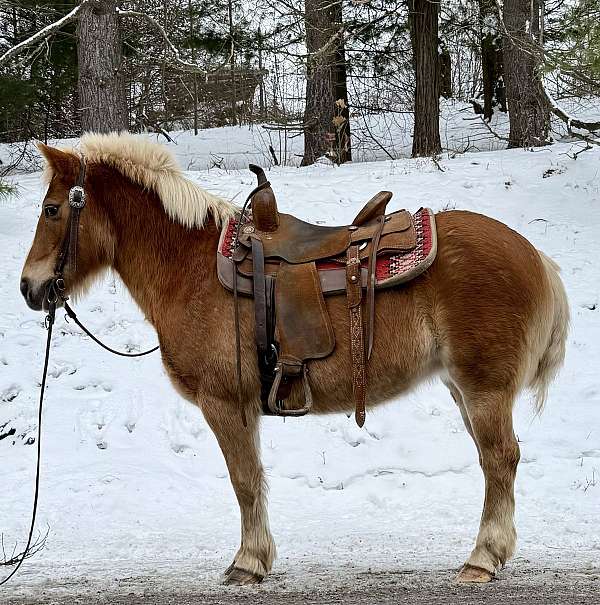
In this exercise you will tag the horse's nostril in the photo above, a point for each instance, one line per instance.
(24, 287)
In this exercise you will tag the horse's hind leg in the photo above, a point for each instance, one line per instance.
(490, 416)
(241, 449)
(458, 400)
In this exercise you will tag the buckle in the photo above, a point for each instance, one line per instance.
(77, 197)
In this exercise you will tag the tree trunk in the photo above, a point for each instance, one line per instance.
(423, 19)
(491, 58)
(101, 86)
(445, 63)
(326, 115)
(528, 108)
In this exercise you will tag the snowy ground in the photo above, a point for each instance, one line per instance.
(133, 482)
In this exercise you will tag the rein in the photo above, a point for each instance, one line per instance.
(54, 294)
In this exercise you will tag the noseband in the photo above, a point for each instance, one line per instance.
(68, 250)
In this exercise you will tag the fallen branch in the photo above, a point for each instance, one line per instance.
(15, 557)
(436, 162)
(157, 128)
(569, 120)
(493, 132)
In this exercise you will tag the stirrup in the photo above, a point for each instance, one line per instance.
(276, 406)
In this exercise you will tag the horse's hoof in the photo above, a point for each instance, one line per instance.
(229, 569)
(241, 577)
(470, 574)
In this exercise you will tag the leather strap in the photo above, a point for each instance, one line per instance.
(260, 300)
(262, 184)
(357, 344)
(371, 286)
(68, 251)
(238, 347)
(264, 321)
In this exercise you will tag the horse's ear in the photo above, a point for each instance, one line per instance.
(63, 164)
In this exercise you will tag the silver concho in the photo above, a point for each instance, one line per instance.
(76, 197)
(248, 229)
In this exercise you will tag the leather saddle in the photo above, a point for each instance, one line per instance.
(288, 266)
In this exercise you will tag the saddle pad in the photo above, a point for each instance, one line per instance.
(391, 269)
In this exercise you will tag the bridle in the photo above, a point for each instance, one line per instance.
(69, 246)
(55, 293)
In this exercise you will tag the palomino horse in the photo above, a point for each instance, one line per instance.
(490, 316)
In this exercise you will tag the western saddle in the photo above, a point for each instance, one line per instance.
(288, 266)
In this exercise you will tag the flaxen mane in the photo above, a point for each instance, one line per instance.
(154, 167)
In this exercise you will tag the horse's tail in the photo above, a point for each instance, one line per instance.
(554, 354)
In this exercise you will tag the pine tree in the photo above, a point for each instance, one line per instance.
(326, 116)
(423, 18)
(528, 108)
(102, 95)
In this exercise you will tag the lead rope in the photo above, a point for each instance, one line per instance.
(73, 316)
(49, 323)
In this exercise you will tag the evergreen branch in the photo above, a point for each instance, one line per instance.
(43, 33)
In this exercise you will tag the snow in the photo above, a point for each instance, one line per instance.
(234, 147)
(133, 481)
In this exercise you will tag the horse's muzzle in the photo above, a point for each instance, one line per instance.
(35, 297)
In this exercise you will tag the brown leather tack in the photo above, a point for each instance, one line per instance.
(357, 345)
(303, 323)
(264, 211)
(296, 241)
(280, 252)
(373, 208)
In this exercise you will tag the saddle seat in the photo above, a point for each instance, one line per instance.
(288, 265)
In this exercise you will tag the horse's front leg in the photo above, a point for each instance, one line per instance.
(241, 447)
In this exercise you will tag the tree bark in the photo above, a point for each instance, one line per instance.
(423, 20)
(528, 108)
(491, 58)
(445, 63)
(326, 114)
(101, 85)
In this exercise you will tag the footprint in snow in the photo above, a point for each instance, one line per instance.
(10, 394)
(94, 385)
(183, 427)
(62, 368)
(94, 421)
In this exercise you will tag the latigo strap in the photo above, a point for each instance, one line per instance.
(357, 343)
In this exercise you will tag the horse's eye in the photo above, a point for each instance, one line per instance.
(50, 211)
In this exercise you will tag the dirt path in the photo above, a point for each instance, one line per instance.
(524, 587)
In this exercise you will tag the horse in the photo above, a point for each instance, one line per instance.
(489, 317)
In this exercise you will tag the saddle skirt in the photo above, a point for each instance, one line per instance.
(410, 250)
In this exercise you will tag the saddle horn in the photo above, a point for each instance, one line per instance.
(264, 205)
(259, 172)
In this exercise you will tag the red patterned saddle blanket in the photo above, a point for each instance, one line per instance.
(406, 254)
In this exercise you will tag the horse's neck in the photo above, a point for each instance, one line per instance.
(161, 262)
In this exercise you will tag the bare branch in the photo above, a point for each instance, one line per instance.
(177, 60)
(43, 33)
(15, 557)
(493, 132)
